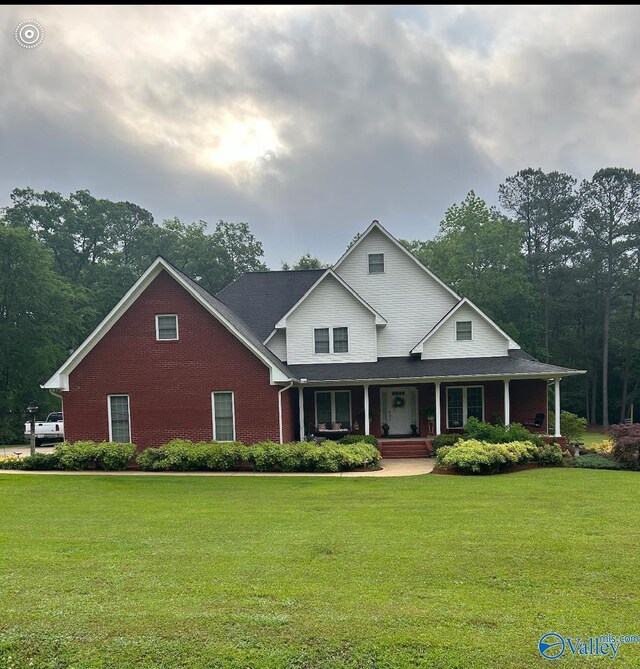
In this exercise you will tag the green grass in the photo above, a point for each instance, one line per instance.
(593, 437)
(431, 571)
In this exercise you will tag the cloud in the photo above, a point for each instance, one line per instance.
(310, 122)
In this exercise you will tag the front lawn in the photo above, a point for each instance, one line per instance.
(431, 571)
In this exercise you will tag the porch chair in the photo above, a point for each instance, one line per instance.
(538, 422)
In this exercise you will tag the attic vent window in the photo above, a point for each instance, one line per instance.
(376, 263)
(166, 327)
(464, 331)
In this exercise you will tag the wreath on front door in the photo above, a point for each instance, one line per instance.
(398, 402)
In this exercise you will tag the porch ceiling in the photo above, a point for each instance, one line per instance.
(517, 364)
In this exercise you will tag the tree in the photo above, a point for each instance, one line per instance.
(307, 261)
(38, 311)
(610, 210)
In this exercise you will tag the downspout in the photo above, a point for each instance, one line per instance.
(280, 407)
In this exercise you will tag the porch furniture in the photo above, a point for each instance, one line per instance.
(538, 421)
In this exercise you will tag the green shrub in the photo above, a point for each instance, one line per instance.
(183, 455)
(42, 461)
(223, 456)
(499, 434)
(10, 462)
(77, 456)
(597, 462)
(264, 456)
(550, 455)
(148, 458)
(572, 426)
(477, 457)
(113, 455)
(359, 438)
(444, 440)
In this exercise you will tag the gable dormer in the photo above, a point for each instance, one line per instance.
(464, 332)
(331, 323)
(397, 285)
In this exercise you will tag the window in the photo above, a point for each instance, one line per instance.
(331, 340)
(333, 406)
(166, 327)
(340, 340)
(464, 402)
(463, 331)
(224, 417)
(321, 340)
(376, 263)
(119, 418)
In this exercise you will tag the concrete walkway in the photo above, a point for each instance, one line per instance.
(399, 467)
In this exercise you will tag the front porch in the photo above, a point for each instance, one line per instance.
(414, 413)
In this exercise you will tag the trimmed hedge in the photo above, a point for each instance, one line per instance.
(597, 462)
(266, 456)
(81, 455)
(444, 440)
(477, 457)
(359, 439)
(10, 462)
(550, 455)
(499, 434)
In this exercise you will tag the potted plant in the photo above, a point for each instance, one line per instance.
(385, 429)
(430, 415)
(414, 430)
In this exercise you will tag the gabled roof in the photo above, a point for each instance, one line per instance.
(515, 365)
(464, 301)
(220, 311)
(380, 320)
(375, 225)
(260, 299)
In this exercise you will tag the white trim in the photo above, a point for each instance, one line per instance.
(507, 403)
(282, 323)
(464, 404)
(280, 430)
(331, 351)
(464, 301)
(455, 332)
(333, 405)
(438, 409)
(384, 263)
(367, 426)
(375, 225)
(233, 411)
(158, 327)
(60, 380)
(128, 412)
(557, 411)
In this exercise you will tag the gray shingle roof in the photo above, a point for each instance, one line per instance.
(260, 299)
(515, 364)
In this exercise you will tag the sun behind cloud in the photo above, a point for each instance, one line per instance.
(243, 141)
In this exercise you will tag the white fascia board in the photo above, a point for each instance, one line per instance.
(465, 301)
(282, 323)
(60, 380)
(377, 226)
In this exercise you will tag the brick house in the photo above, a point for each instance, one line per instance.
(376, 344)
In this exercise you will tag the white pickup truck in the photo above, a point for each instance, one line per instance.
(50, 430)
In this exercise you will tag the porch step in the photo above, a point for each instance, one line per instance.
(410, 448)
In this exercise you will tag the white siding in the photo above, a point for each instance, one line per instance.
(278, 344)
(486, 342)
(410, 300)
(330, 305)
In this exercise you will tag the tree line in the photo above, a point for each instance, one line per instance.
(557, 266)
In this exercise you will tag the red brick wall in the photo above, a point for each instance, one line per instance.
(528, 397)
(169, 383)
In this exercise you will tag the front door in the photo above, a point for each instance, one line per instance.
(399, 409)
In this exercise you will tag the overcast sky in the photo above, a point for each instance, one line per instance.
(310, 122)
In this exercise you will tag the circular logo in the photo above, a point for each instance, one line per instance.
(29, 34)
(551, 646)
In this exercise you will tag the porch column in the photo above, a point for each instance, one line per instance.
(438, 416)
(301, 411)
(507, 404)
(557, 407)
(366, 408)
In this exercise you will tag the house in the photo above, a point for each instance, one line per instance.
(376, 340)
